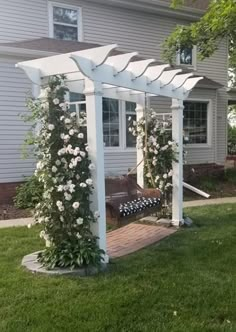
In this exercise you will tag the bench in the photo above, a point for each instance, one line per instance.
(126, 201)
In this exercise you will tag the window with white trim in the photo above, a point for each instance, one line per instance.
(130, 116)
(111, 122)
(65, 22)
(118, 116)
(187, 57)
(196, 122)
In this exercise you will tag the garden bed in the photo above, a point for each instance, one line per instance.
(9, 211)
(217, 187)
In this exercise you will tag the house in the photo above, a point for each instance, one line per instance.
(34, 29)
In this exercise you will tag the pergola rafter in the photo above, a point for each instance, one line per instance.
(105, 72)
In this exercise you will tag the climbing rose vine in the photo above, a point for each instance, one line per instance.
(64, 169)
(159, 150)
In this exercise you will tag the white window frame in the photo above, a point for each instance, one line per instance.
(209, 124)
(122, 127)
(194, 59)
(66, 6)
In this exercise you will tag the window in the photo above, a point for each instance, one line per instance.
(65, 22)
(130, 116)
(196, 122)
(111, 122)
(118, 116)
(187, 57)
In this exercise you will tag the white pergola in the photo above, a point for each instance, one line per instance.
(97, 74)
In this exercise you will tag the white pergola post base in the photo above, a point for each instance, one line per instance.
(93, 93)
(96, 73)
(177, 182)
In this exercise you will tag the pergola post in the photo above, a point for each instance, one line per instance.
(140, 169)
(177, 135)
(93, 93)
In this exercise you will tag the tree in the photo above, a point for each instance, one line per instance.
(218, 23)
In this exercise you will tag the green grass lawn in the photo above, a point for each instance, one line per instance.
(186, 283)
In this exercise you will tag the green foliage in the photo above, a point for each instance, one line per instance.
(155, 139)
(64, 170)
(29, 194)
(217, 23)
(230, 175)
(71, 254)
(231, 140)
(209, 184)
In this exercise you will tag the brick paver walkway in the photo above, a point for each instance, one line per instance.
(133, 237)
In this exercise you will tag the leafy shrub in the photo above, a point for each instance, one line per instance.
(29, 194)
(230, 175)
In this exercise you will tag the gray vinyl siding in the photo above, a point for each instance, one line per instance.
(132, 31)
(14, 89)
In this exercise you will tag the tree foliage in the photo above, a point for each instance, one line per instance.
(218, 23)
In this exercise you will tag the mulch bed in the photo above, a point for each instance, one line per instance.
(224, 189)
(8, 211)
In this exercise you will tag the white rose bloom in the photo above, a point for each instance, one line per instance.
(91, 166)
(75, 205)
(96, 214)
(66, 138)
(87, 148)
(67, 121)
(54, 169)
(80, 135)
(57, 162)
(61, 151)
(59, 203)
(73, 114)
(62, 136)
(79, 221)
(157, 178)
(63, 106)
(77, 176)
(71, 132)
(83, 185)
(79, 236)
(61, 208)
(56, 101)
(42, 234)
(71, 188)
(62, 118)
(165, 176)
(148, 175)
(170, 173)
(63, 160)
(68, 197)
(60, 188)
(83, 154)
(51, 126)
(69, 149)
(76, 151)
(89, 182)
(61, 218)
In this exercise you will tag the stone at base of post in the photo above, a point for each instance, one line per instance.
(105, 259)
(176, 223)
